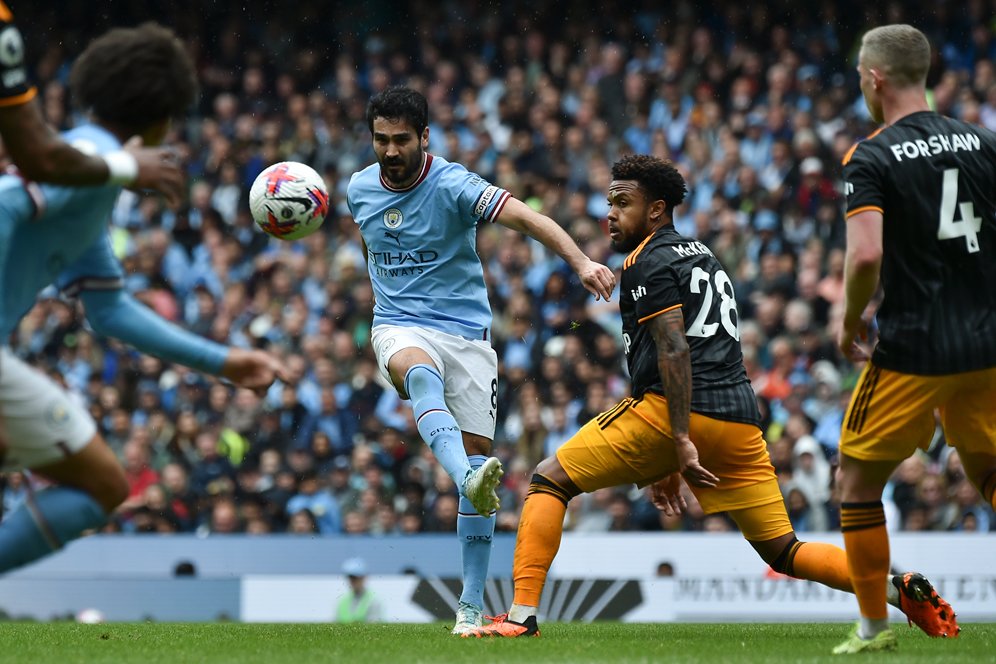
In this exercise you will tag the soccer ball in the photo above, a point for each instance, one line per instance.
(90, 616)
(289, 200)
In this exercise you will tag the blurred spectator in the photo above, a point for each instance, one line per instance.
(359, 604)
(756, 113)
(320, 504)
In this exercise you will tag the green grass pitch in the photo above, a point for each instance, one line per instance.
(175, 643)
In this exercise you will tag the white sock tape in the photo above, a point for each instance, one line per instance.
(122, 166)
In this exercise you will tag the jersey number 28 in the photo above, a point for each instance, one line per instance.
(968, 226)
(727, 304)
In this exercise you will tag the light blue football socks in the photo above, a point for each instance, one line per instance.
(435, 423)
(475, 533)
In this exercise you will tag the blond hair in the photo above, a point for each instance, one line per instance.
(901, 52)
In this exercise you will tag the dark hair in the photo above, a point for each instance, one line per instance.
(135, 77)
(658, 178)
(399, 103)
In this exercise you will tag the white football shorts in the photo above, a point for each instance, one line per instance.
(469, 369)
(40, 422)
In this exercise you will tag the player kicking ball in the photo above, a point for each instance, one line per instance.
(133, 81)
(692, 412)
(418, 217)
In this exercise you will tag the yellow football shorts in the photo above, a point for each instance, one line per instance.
(631, 443)
(892, 414)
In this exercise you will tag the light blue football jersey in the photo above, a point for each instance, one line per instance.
(55, 235)
(422, 246)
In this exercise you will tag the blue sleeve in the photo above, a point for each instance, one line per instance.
(476, 197)
(116, 314)
(96, 269)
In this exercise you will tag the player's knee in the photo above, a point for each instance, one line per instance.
(551, 469)
(423, 380)
(780, 553)
(550, 477)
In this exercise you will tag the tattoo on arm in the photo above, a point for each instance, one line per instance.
(675, 366)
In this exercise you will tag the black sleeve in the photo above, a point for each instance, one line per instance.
(657, 290)
(14, 85)
(863, 185)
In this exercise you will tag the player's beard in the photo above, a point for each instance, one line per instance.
(401, 177)
(625, 243)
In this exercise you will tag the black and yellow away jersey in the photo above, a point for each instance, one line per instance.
(14, 85)
(667, 271)
(933, 179)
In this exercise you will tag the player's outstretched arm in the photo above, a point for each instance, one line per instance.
(42, 156)
(596, 278)
(862, 266)
(675, 365)
(116, 314)
(252, 369)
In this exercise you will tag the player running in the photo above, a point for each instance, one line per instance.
(921, 215)
(692, 409)
(418, 217)
(134, 81)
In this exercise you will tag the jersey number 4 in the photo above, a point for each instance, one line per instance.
(968, 226)
(727, 304)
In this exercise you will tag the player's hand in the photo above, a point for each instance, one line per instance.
(158, 169)
(597, 279)
(252, 369)
(666, 495)
(853, 341)
(688, 462)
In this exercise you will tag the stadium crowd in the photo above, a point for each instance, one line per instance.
(757, 105)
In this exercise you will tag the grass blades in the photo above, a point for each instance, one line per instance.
(154, 643)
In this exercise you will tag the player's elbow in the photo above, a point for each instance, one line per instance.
(676, 351)
(865, 256)
(102, 317)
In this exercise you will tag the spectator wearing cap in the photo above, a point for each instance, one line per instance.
(341, 481)
(756, 145)
(811, 473)
(807, 87)
(815, 187)
(359, 603)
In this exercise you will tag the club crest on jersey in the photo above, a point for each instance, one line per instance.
(393, 218)
(11, 47)
(57, 415)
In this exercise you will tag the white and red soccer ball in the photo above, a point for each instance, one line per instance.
(289, 200)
